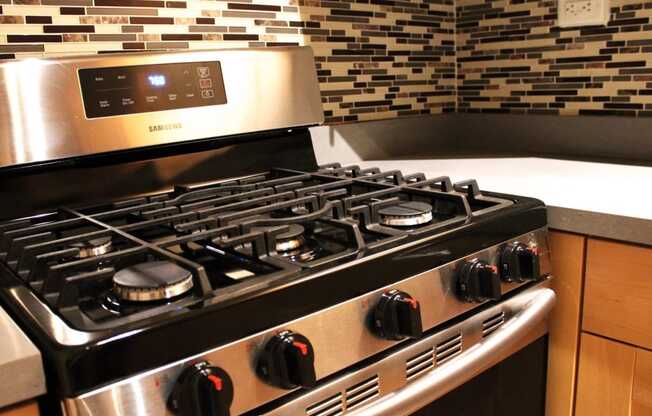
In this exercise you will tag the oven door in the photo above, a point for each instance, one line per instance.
(492, 363)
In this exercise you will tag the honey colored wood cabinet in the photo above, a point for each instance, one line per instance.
(614, 379)
(618, 292)
(600, 352)
(605, 376)
(567, 261)
(23, 409)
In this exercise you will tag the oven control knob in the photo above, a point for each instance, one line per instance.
(397, 315)
(519, 263)
(288, 361)
(478, 281)
(202, 390)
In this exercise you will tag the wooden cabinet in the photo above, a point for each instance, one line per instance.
(605, 377)
(618, 292)
(614, 379)
(23, 409)
(567, 261)
(602, 367)
(642, 384)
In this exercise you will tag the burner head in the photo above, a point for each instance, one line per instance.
(290, 240)
(406, 214)
(154, 280)
(93, 247)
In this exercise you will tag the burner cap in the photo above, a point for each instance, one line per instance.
(290, 240)
(406, 214)
(155, 280)
(93, 247)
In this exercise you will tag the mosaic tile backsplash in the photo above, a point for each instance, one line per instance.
(375, 58)
(513, 58)
(380, 58)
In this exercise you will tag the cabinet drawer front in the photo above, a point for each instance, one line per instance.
(618, 292)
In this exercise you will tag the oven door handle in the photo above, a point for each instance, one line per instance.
(467, 365)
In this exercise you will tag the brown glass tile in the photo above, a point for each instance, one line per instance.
(72, 11)
(256, 7)
(38, 19)
(33, 38)
(230, 36)
(133, 45)
(130, 3)
(68, 29)
(181, 36)
(151, 20)
(112, 37)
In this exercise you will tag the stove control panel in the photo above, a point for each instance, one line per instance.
(145, 88)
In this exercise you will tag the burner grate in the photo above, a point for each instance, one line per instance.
(227, 234)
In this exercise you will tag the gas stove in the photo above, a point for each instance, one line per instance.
(253, 290)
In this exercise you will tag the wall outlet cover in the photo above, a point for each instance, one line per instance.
(583, 12)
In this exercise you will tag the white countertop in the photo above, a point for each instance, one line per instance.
(596, 187)
(20, 364)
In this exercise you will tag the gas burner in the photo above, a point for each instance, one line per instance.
(93, 247)
(150, 281)
(406, 214)
(290, 240)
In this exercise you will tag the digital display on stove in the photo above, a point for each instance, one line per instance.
(156, 80)
(145, 88)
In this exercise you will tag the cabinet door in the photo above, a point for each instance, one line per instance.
(606, 373)
(25, 409)
(642, 389)
(618, 292)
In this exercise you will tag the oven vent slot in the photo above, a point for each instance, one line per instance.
(333, 406)
(492, 324)
(419, 364)
(362, 392)
(448, 348)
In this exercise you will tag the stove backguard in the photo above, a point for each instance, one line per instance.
(65, 108)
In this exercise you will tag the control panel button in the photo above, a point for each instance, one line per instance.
(288, 361)
(206, 94)
(206, 83)
(397, 315)
(203, 71)
(519, 263)
(202, 390)
(478, 281)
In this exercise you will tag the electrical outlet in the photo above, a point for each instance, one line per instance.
(583, 12)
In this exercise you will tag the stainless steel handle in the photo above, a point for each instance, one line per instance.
(472, 362)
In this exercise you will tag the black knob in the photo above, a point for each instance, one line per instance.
(478, 281)
(519, 263)
(397, 315)
(202, 390)
(288, 361)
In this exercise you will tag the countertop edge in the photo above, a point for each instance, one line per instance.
(598, 224)
(21, 360)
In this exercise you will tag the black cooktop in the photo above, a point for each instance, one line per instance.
(87, 281)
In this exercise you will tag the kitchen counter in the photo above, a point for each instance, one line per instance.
(596, 199)
(20, 364)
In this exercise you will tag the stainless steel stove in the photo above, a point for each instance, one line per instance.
(181, 253)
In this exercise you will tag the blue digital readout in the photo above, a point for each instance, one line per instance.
(156, 80)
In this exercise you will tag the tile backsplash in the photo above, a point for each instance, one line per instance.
(375, 58)
(512, 57)
(380, 58)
